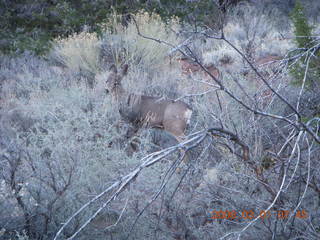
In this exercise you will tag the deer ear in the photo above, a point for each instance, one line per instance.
(125, 69)
(113, 69)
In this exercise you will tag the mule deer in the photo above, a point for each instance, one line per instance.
(154, 112)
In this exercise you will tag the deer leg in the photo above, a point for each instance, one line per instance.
(185, 159)
(177, 128)
(133, 145)
(180, 138)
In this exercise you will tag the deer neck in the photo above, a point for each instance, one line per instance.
(119, 94)
(120, 97)
(127, 104)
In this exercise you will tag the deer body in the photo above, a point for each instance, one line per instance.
(154, 112)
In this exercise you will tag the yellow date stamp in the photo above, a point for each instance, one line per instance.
(251, 214)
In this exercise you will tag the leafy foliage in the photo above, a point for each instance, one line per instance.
(302, 29)
(197, 13)
(30, 25)
(308, 66)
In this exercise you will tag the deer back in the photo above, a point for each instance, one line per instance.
(150, 111)
(144, 110)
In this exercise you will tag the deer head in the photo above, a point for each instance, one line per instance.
(113, 83)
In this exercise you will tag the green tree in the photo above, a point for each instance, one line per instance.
(304, 41)
(302, 29)
(31, 24)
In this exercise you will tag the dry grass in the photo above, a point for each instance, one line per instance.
(78, 52)
(255, 33)
(139, 51)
